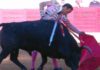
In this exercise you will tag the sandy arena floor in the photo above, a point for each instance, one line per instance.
(26, 60)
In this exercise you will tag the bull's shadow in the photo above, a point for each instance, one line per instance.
(35, 35)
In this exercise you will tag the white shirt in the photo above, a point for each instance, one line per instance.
(51, 12)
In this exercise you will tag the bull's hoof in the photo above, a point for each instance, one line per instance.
(40, 68)
(58, 69)
(24, 69)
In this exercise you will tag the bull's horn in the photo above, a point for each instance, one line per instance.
(88, 49)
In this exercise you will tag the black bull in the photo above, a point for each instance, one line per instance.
(35, 35)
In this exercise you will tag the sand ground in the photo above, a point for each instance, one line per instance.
(26, 60)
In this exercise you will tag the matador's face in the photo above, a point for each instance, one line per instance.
(66, 10)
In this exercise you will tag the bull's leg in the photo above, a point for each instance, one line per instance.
(71, 64)
(4, 53)
(44, 61)
(13, 58)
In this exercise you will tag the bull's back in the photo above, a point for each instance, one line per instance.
(29, 30)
